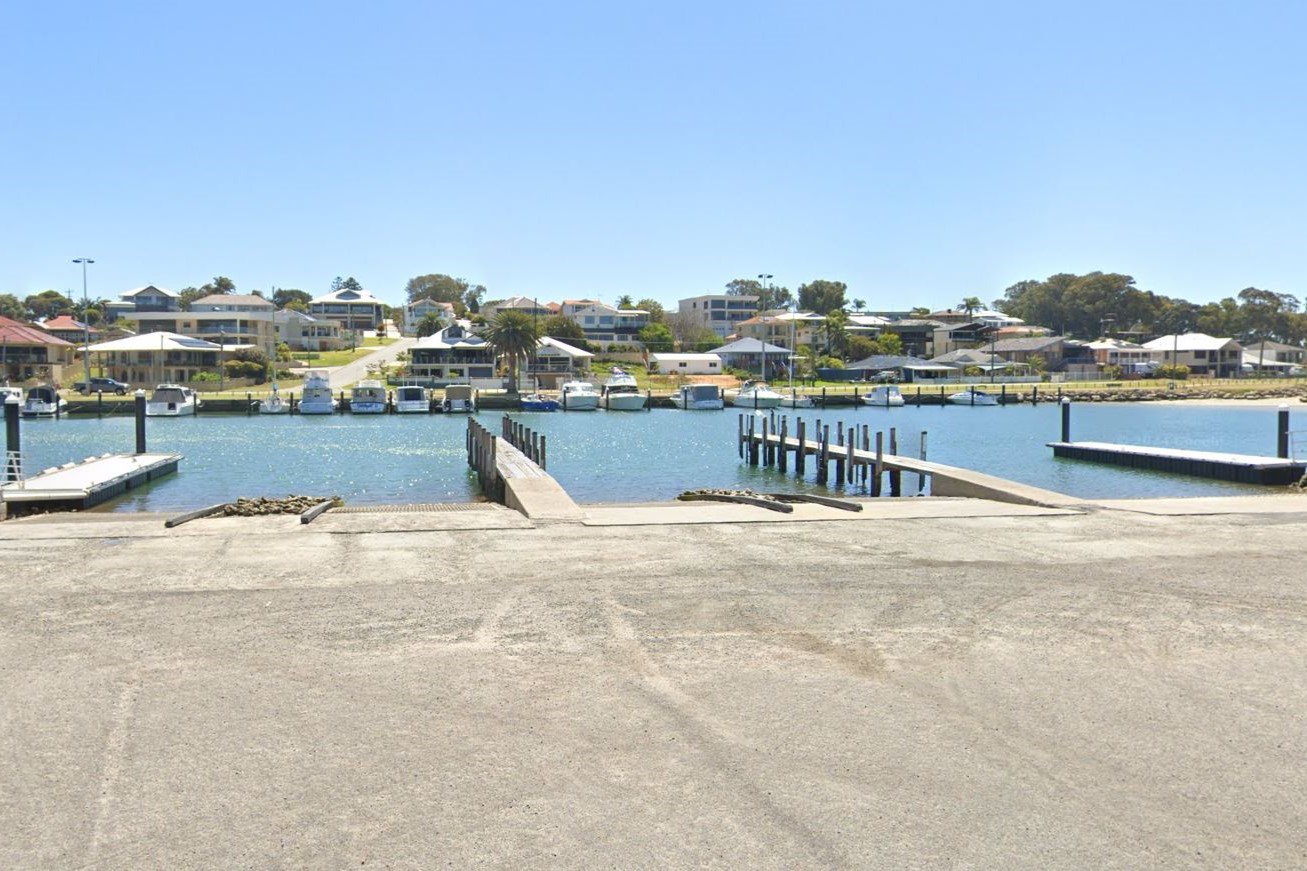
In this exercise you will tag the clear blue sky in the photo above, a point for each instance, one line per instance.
(920, 152)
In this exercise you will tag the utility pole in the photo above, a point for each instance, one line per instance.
(86, 323)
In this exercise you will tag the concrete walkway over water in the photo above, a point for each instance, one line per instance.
(930, 682)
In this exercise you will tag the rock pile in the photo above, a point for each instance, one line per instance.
(689, 495)
(262, 505)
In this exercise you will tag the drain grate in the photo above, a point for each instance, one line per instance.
(421, 508)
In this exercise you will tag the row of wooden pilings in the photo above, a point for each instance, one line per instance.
(526, 440)
(481, 458)
(840, 449)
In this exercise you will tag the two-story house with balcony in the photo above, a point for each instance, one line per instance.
(453, 355)
(227, 319)
(1203, 354)
(148, 299)
(529, 307)
(352, 309)
(605, 325)
(417, 311)
(304, 332)
(721, 313)
(27, 351)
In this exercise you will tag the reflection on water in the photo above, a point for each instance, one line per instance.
(631, 456)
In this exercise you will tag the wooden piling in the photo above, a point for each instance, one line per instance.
(880, 459)
(895, 475)
(785, 436)
(801, 454)
(840, 464)
(921, 476)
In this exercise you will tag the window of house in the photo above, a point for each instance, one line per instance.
(682, 365)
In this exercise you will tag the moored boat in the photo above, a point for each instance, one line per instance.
(884, 396)
(578, 396)
(756, 394)
(171, 400)
(699, 397)
(317, 398)
(367, 397)
(43, 401)
(459, 399)
(797, 400)
(621, 392)
(972, 396)
(273, 404)
(411, 399)
(537, 402)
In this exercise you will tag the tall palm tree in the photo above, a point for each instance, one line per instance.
(513, 335)
(970, 305)
(624, 301)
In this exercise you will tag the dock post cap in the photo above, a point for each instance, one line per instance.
(14, 399)
(1066, 400)
(1284, 406)
(139, 392)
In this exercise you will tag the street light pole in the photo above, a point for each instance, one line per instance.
(86, 323)
(764, 280)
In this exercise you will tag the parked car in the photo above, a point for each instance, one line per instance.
(889, 376)
(102, 385)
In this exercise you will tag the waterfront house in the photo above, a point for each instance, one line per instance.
(686, 364)
(916, 334)
(303, 332)
(749, 354)
(959, 335)
(453, 355)
(1272, 358)
(142, 299)
(1051, 349)
(352, 309)
(1130, 357)
(786, 329)
(70, 329)
(27, 351)
(1203, 354)
(416, 312)
(156, 358)
(721, 313)
(527, 306)
(906, 368)
(556, 362)
(604, 325)
(226, 318)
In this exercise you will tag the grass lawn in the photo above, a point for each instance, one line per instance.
(318, 359)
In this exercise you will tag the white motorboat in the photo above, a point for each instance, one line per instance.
(411, 399)
(459, 399)
(797, 400)
(884, 396)
(622, 393)
(171, 400)
(7, 393)
(972, 396)
(367, 397)
(43, 401)
(699, 397)
(317, 398)
(578, 396)
(756, 394)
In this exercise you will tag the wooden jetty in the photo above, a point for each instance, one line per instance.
(859, 455)
(75, 486)
(1243, 468)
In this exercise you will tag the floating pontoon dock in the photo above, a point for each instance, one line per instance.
(74, 486)
(1244, 468)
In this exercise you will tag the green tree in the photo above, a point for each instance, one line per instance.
(657, 314)
(657, 338)
(822, 295)
(283, 297)
(560, 327)
(188, 295)
(836, 332)
(513, 336)
(890, 344)
(919, 311)
(350, 283)
(970, 305)
(625, 302)
(861, 347)
(859, 304)
(770, 296)
(12, 308)
(48, 304)
(430, 325)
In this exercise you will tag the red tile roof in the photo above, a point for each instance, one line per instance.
(14, 333)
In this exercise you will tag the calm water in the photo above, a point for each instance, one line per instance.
(615, 457)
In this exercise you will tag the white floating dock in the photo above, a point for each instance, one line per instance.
(74, 486)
